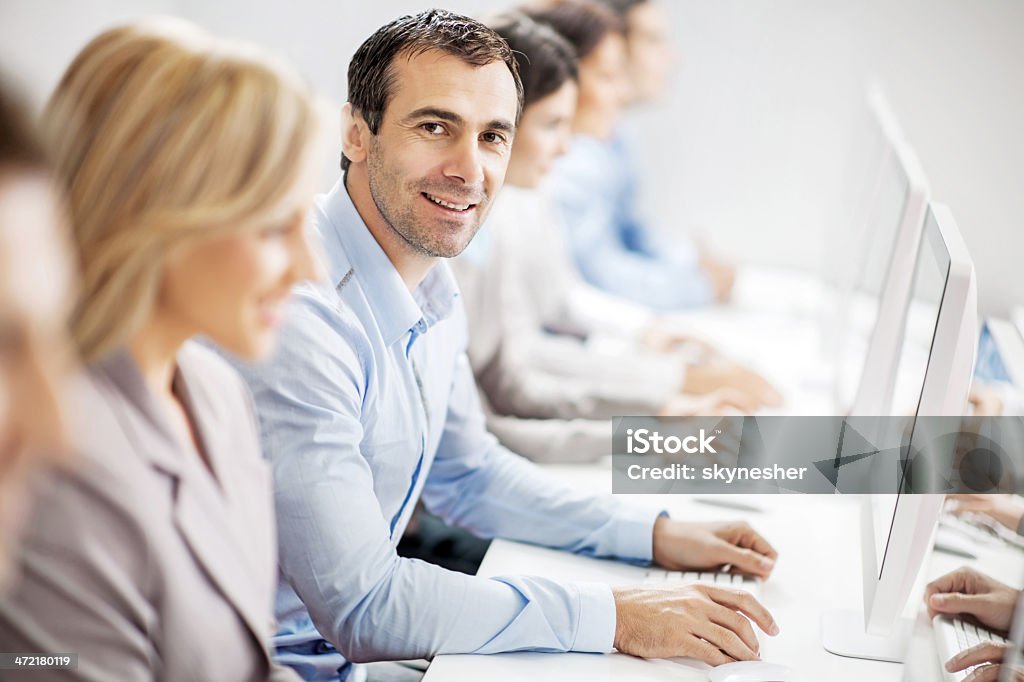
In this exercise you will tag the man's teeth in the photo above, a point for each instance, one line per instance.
(439, 202)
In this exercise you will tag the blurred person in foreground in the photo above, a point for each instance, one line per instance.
(189, 169)
(36, 358)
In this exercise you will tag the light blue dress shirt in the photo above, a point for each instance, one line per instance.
(369, 405)
(594, 186)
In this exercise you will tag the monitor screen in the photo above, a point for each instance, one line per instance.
(887, 206)
(929, 286)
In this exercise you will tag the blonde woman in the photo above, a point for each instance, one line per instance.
(34, 297)
(189, 170)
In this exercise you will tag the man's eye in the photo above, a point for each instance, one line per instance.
(433, 128)
(494, 138)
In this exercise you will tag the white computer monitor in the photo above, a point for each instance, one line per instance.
(863, 162)
(934, 368)
(877, 303)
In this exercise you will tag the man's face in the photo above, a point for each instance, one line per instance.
(441, 152)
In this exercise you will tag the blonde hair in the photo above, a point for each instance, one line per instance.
(160, 134)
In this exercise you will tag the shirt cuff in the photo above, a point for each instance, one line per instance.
(595, 632)
(634, 534)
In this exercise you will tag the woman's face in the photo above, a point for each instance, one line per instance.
(652, 57)
(603, 88)
(233, 288)
(542, 136)
(35, 351)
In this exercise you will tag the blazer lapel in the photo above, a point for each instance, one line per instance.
(200, 519)
(210, 517)
(228, 523)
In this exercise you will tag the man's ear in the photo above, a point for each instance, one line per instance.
(355, 134)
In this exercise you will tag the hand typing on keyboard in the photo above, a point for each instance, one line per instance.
(701, 546)
(710, 622)
(966, 592)
(986, 659)
(1008, 510)
(707, 622)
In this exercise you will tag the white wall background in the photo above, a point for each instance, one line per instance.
(749, 149)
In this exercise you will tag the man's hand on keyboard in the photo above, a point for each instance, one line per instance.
(701, 546)
(988, 656)
(968, 592)
(1006, 509)
(707, 622)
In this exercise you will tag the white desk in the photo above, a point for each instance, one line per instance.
(772, 326)
(817, 537)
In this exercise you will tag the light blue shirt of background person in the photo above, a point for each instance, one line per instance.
(368, 405)
(594, 187)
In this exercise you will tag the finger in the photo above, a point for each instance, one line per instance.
(955, 602)
(746, 560)
(726, 640)
(965, 507)
(727, 410)
(707, 652)
(955, 581)
(738, 623)
(755, 541)
(769, 395)
(741, 400)
(986, 652)
(744, 602)
(988, 673)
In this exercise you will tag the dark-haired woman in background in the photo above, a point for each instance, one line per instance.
(549, 395)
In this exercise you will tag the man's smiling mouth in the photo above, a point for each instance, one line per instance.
(452, 206)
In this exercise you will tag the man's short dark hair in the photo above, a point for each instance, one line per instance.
(582, 22)
(371, 73)
(546, 59)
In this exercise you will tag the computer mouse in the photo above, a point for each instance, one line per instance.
(751, 671)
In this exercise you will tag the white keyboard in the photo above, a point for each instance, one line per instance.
(953, 636)
(660, 575)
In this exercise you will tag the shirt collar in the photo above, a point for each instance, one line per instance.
(351, 247)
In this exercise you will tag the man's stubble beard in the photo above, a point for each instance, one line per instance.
(402, 221)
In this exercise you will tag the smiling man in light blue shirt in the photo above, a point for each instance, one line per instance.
(370, 405)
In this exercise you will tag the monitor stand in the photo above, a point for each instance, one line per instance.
(842, 633)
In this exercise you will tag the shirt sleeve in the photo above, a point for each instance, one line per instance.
(601, 312)
(335, 545)
(551, 440)
(656, 280)
(480, 485)
(542, 375)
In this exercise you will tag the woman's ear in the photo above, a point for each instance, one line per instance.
(354, 134)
